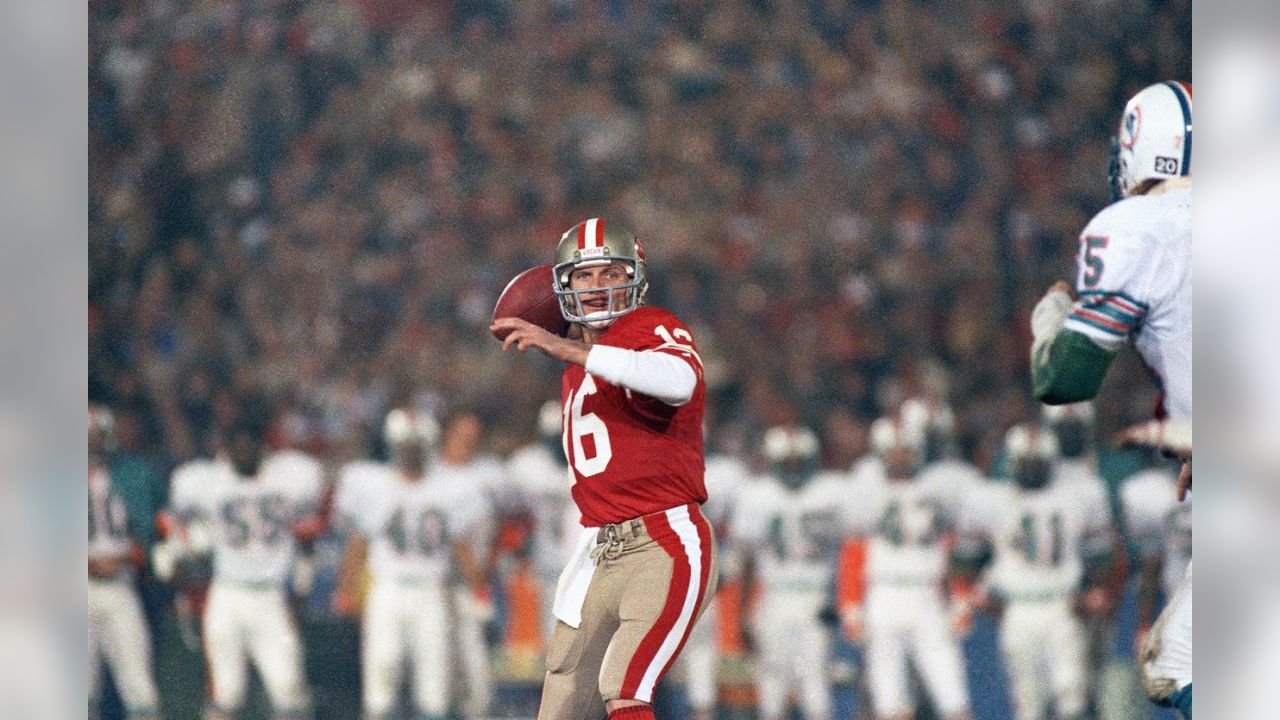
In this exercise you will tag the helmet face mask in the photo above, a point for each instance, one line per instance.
(1032, 473)
(1153, 141)
(590, 244)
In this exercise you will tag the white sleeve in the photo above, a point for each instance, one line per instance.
(656, 374)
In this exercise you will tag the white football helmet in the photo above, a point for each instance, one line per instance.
(406, 425)
(1032, 451)
(889, 433)
(934, 422)
(550, 420)
(1030, 441)
(591, 243)
(899, 443)
(1153, 141)
(791, 452)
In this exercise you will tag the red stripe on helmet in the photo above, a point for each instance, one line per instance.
(599, 239)
(582, 235)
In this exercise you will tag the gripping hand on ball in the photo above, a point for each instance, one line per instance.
(524, 335)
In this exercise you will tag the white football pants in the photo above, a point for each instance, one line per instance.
(910, 626)
(473, 652)
(253, 624)
(118, 635)
(402, 622)
(793, 650)
(1166, 656)
(1045, 654)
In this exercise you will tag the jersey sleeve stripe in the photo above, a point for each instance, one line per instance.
(1114, 312)
(1125, 307)
(1102, 295)
(1096, 322)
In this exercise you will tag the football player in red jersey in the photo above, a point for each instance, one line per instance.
(633, 397)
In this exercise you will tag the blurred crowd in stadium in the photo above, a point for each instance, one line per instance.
(304, 211)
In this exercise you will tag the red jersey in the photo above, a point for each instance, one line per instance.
(632, 454)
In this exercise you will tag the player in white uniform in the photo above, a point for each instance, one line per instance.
(724, 476)
(907, 516)
(1160, 528)
(461, 463)
(1073, 427)
(413, 531)
(118, 631)
(1051, 548)
(788, 526)
(1134, 285)
(251, 506)
(539, 470)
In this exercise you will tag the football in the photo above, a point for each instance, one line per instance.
(529, 297)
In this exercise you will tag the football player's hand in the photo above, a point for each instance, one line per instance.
(853, 623)
(523, 335)
(1184, 481)
(1095, 601)
(961, 619)
(344, 602)
(1052, 310)
(990, 603)
(105, 567)
(309, 528)
(1168, 436)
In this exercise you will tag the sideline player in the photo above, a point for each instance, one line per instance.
(1051, 554)
(724, 476)
(538, 469)
(412, 530)
(117, 628)
(908, 512)
(1160, 529)
(1134, 285)
(461, 465)
(633, 397)
(788, 528)
(253, 506)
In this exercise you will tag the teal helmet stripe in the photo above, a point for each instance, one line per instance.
(1184, 101)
